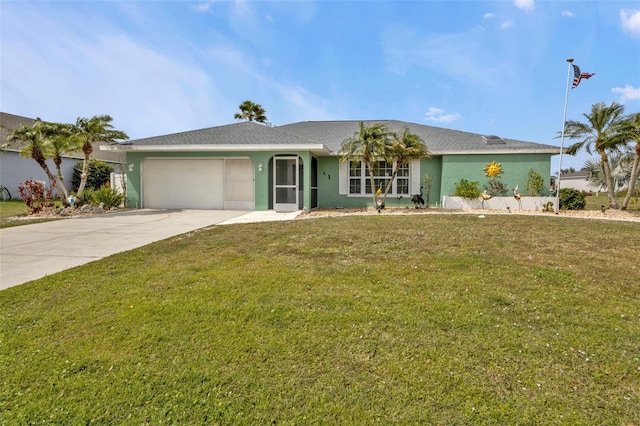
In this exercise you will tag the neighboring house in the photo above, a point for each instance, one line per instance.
(15, 169)
(578, 180)
(249, 166)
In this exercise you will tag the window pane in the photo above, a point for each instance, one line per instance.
(355, 186)
(355, 168)
(402, 186)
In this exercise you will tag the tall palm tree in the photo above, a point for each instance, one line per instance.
(252, 112)
(34, 143)
(369, 144)
(91, 130)
(603, 130)
(405, 146)
(634, 134)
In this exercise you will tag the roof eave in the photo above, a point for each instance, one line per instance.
(315, 148)
(501, 151)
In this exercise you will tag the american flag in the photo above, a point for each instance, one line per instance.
(577, 76)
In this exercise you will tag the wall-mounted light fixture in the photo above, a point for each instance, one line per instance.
(131, 166)
(260, 167)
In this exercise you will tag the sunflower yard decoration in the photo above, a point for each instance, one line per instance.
(493, 170)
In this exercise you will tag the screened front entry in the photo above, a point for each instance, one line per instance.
(287, 179)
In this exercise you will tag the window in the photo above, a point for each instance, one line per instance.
(360, 183)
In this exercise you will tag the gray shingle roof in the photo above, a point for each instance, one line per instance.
(245, 133)
(438, 140)
(327, 137)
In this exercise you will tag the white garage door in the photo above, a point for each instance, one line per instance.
(197, 184)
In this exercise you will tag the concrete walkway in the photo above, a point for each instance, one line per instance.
(34, 251)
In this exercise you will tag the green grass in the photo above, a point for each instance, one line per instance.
(12, 209)
(353, 320)
(594, 202)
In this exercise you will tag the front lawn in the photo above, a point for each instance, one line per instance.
(425, 319)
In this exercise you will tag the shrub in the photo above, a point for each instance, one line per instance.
(496, 188)
(85, 198)
(109, 197)
(467, 189)
(535, 183)
(99, 174)
(572, 199)
(35, 196)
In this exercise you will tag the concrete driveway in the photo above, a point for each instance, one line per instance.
(34, 251)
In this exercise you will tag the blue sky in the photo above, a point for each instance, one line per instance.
(157, 67)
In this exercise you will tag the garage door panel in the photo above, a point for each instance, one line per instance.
(184, 183)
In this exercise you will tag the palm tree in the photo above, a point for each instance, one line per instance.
(618, 164)
(369, 144)
(603, 130)
(252, 112)
(34, 144)
(405, 146)
(634, 134)
(88, 131)
(61, 142)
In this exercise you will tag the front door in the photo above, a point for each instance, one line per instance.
(285, 178)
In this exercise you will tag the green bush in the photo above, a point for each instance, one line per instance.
(572, 199)
(495, 188)
(535, 183)
(99, 174)
(467, 189)
(86, 198)
(109, 197)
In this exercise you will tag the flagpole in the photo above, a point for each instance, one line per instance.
(564, 121)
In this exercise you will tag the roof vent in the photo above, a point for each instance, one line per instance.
(493, 140)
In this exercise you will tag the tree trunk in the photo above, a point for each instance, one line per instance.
(611, 191)
(635, 172)
(393, 176)
(42, 162)
(58, 161)
(87, 149)
(372, 181)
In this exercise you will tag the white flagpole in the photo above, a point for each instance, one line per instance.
(564, 121)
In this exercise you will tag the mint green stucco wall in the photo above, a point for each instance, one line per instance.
(329, 183)
(444, 170)
(471, 167)
(262, 187)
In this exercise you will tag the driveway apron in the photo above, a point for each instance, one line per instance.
(34, 251)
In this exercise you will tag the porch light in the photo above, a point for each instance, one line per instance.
(131, 166)
(260, 167)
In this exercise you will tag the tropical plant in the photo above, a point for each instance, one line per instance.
(403, 147)
(604, 130)
(535, 183)
(369, 144)
(619, 166)
(99, 174)
(571, 199)
(61, 142)
(35, 195)
(251, 112)
(88, 131)
(634, 135)
(108, 197)
(34, 143)
(467, 189)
